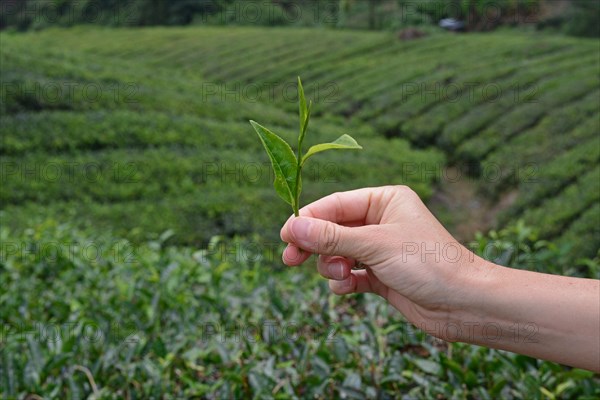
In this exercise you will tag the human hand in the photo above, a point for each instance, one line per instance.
(410, 258)
(418, 267)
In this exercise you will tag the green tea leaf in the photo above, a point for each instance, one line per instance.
(429, 366)
(284, 163)
(304, 113)
(287, 166)
(303, 131)
(302, 110)
(341, 143)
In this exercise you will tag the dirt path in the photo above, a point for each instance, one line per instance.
(462, 209)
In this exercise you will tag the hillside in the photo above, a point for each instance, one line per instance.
(143, 130)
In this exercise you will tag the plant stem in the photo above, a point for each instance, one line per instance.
(298, 175)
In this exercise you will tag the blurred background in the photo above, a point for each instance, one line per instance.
(140, 251)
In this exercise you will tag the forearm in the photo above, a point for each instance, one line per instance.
(545, 316)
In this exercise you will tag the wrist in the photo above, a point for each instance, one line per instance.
(472, 287)
(457, 306)
(487, 310)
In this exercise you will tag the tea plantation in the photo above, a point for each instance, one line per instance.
(140, 255)
(154, 123)
(121, 142)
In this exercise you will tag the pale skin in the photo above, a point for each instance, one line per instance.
(437, 284)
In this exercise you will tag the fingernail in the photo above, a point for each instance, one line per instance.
(293, 254)
(300, 228)
(337, 270)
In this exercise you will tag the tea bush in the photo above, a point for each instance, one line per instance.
(97, 315)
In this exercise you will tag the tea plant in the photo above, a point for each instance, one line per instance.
(187, 322)
(286, 165)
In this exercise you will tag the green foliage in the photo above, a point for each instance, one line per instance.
(288, 167)
(480, 15)
(451, 121)
(519, 246)
(581, 237)
(143, 148)
(551, 94)
(576, 17)
(542, 183)
(500, 102)
(555, 213)
(284, 163)
(38, 14)
(100, 316)
(239, 12)
(344, 142)
(580, 19)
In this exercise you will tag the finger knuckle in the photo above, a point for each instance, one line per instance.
(335, 287)
(405, 190)
(329, 239)
(404, 193)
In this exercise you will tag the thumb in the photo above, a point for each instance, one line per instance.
(327, 238)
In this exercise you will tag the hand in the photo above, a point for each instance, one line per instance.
(414, 263)
(410, 259)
